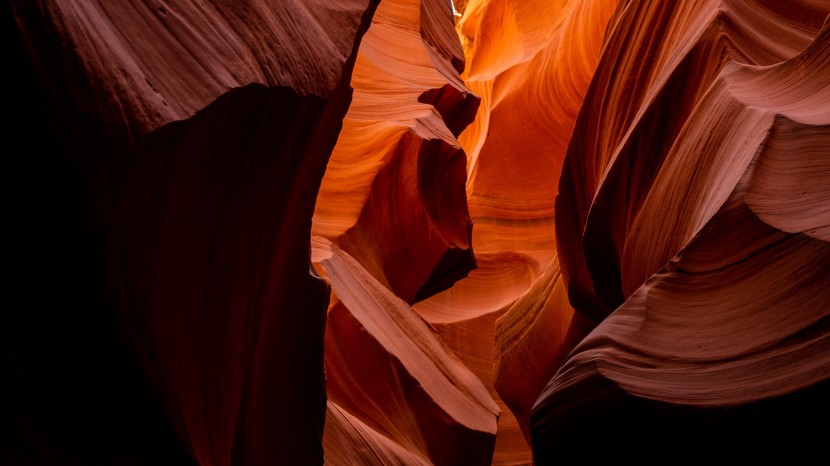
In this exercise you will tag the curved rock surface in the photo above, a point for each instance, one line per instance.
(347, 440)
(387, 367)
(639, 134)
(393, 192)
(193, 137)
(418, 232)
(702, 234)
(531, 63)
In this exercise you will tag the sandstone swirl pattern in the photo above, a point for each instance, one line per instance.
(417, 232)
(694, 198)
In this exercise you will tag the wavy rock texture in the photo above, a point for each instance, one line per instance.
(195, 135)
(348, 440)
(483, 232)
(388, 369)
(393, 203)
(531, 85)
(531, 63)
(465, 318)
(375, 159)
(393, 192)
(701, 232)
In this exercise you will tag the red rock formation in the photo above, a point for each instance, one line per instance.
(348, 440)
(388, 369)
(202, 131)
(531, 79)
(532, 340)
(465, 317)
(393, 202)
(686, 62)
(702, 232)
(393, 193)
(663, 301)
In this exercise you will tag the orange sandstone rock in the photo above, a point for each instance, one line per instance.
(387, 368)
(393, 193)
(541, 232)
(531, 63)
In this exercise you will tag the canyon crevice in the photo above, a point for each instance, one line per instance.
(415, 232)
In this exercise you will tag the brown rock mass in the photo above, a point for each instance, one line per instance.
(200, 132)
(417, 232)
(710, 265)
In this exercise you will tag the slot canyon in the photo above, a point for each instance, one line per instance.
(417, 232)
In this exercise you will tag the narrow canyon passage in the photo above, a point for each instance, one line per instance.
(417, 232)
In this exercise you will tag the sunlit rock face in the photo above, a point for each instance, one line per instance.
(393, 194)
(415, 232)
(531, 62)
(391, 228)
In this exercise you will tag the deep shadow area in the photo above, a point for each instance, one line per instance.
(75, 391)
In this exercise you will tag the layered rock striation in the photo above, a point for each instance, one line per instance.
(691, 202)
(415, 232)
